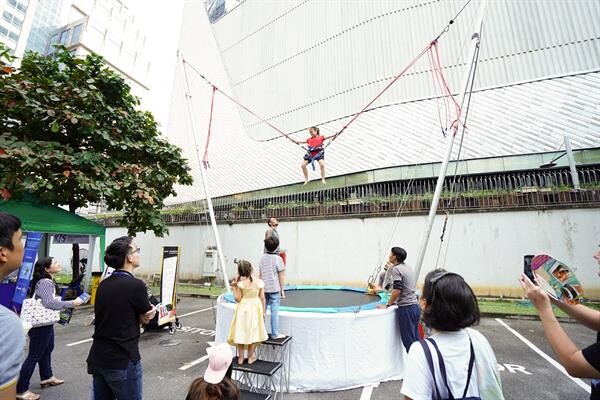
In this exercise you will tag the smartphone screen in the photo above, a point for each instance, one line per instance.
(84, 297)
(527, 267)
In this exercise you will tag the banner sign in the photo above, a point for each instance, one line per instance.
(26, 272)
(70, 239)
(168, 280)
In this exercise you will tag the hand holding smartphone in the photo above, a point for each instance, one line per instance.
(84, 297)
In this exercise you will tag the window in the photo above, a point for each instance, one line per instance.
(6, 33)
(18, 6)
(76, 33)
(7, 16)
(215, 9)
(64, 36)
(53, 41)
(12, 19)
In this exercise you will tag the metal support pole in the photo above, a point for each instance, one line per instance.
(472, 61)
(572, 167)
(211, 211)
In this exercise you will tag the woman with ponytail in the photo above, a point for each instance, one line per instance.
(202, 390)
(41, 339)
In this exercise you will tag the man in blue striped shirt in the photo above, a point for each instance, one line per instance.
(12, 339)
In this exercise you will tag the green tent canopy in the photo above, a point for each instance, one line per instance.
(37, 217)
(50, 219)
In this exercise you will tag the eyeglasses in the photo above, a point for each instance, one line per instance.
(135, 251)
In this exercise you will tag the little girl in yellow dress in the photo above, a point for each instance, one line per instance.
(248, 323)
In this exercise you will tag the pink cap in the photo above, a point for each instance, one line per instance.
(219, 360)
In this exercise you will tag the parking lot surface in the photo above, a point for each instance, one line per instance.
(525, 359)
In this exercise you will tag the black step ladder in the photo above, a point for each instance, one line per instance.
(259, 378)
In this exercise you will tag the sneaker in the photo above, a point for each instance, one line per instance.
(28, 396)
(275, 337)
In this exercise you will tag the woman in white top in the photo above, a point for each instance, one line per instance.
(463, 361)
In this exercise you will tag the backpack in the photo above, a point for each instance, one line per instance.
(436, 395)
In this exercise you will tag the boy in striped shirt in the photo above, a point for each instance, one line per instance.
(272, 272)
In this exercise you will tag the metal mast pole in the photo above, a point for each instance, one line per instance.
(475, 39)
(211, 211)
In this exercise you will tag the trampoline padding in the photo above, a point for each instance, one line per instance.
(324, 299)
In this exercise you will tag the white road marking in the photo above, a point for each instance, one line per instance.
(545, 356)
(514, 368)
(195, 362)
(179, 316)
(195, 312)
(80, 342)
(368, 391)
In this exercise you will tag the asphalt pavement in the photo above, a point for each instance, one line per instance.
(527, 364)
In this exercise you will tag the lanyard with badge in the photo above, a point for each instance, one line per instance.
(124, 273)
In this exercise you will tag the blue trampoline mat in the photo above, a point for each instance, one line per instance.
(324, 299)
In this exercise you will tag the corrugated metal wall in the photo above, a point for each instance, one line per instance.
(525, 117)
(301, 63)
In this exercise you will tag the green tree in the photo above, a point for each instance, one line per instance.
(71, 134)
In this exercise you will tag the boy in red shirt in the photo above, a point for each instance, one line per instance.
(315, 152)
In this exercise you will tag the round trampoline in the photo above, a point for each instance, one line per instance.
(339, 339)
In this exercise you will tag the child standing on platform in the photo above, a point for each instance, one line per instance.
(248, 323)
(272, 271)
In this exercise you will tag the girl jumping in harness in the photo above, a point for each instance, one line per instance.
(315, 152)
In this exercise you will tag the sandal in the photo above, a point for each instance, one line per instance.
(28, 396)
(54, 381)
(252, 360)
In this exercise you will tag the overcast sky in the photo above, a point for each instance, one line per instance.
(161, 21)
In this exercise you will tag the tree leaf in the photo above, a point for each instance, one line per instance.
(113, 150)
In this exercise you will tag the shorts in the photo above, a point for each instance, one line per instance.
(319, 156)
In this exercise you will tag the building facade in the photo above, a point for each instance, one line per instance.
(15, 23)
(300, 63)
(47, 18)
(107, 28)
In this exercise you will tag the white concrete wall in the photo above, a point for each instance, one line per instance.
(486, 248)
